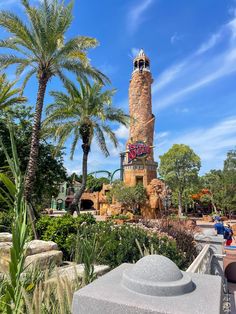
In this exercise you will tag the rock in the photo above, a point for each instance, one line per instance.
(5, 237)
(44, 260)
(73, 271)
(39, 246)
(4, 256)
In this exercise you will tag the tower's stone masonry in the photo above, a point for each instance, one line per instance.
(140, 170)
(140, 104)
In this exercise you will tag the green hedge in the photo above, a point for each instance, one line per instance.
(114, 244)
(58, 229)
(6, 219)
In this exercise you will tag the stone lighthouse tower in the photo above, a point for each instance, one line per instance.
(139, 165)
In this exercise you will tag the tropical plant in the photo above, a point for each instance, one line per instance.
(130, 197)
(94, 184)
(50, 170)
(11, 294)
(110, 244)
(8, 95)
(40, 49)
(84, 114)
(179, 168)
(60, 228)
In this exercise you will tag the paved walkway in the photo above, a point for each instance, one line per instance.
(232, 291)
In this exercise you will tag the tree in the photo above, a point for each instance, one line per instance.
(40, 49)
(229, 173)
(179, 167)
(214, 182)
(8, 95)
(130, 197)
(84, 114)
(50, 171)
(95, 184)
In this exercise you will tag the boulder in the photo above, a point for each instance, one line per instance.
(5, 237)
(44, 260)
(73, 272)
(39, 246)
(4, 256)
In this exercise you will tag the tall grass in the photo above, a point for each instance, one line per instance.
(12, 194)
(21, 290)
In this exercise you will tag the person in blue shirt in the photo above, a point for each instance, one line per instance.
(219, 227)
(228, 235)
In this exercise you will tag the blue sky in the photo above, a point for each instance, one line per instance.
(192, 48)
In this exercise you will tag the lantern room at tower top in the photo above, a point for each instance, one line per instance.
(141, 62)
(139, 165)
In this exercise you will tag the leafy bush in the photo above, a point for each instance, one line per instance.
(120, 216)
(118, 243)
(6, 219)
(57, 229)
(131, 197)
(183, 233)
(114, 244)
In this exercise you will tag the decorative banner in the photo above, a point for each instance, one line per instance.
(138, 150)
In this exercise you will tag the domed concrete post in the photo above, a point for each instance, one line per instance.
(153, 285)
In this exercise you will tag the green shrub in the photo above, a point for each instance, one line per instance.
(120, 216)
(115, 244)
(6, 219)
(57, 229)
(183, 235)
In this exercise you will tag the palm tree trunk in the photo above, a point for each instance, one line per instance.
(34, 147)
(78, 194)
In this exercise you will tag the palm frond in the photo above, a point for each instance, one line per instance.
(99, 135)
(111, 134)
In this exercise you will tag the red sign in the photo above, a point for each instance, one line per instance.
(138, 150)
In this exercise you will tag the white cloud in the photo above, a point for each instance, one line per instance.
(136, 14)
(197, 70)
(162, 134)
(213, 40)
(122, 132)
(168, 76)
(211, 144)
(174, 38)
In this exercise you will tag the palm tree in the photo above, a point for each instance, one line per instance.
(40, 49)
(83, 114)
(8, 95)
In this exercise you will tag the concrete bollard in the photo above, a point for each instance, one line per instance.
(153, 285)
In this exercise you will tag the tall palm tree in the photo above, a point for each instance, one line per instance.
(8, 94)
(40, 49)
(83, 114)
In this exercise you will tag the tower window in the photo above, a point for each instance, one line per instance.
(147, 65)
(141, 65)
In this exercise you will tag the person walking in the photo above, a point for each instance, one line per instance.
(228, 235)
(219, 227)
